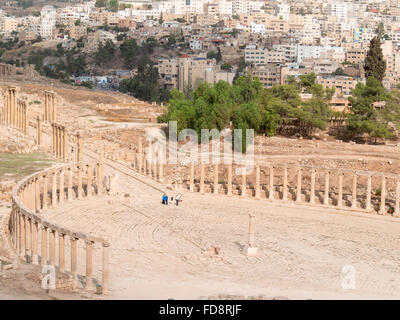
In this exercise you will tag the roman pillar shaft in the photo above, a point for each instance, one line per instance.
(298, 188)
(326, 191)
(39, 130)
(243, 189)
(74, 262)
(37, 195)
(23, 235)
(251, 230)
(340, 190)
(89, 181)
(105, 267)
(70, 190)
(52, 247)
(99, 180)
(61, 181)
(54, 190)
(271, 183)
(229, 187)
(79, 182)
(28, 230)
(285, 184)
(191, 179)
(368, 196)
(43, 252)
(354, 192)
(202, 178)
(35, 253)
(89, 265)
(257, 187)
(61, 252)
(382, 207)
(312, 189)
(396, 212)
(216, 168)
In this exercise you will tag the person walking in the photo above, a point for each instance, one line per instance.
(178, 198)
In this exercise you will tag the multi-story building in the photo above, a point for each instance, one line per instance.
(268, 74)
(47, 22)
(187, 72)
(342, 84)
(263, 56)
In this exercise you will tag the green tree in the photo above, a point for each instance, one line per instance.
(364, 118)
(375, 65)
(211, 54)
(100, 3)
(112, 5)
(105, 52)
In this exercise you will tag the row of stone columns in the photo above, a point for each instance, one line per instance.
(32, 197)
(59, 142)
(15, 113)
(299, 187)
(148, 163)
(50, 109)
(22, 117)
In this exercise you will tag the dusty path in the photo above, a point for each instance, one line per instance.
(158, 251)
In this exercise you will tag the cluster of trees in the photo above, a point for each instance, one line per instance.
(145, 84)
(249, 106)
(110, 5)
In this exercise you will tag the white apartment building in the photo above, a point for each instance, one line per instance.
(189, 6)
(282, 11)
(225, 7)
(314, 52)
(47, 22)
(8, 24)
(247, 6)
(257, 28)
(338, 10)
(262, 56)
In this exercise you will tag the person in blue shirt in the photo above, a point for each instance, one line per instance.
(165, 199)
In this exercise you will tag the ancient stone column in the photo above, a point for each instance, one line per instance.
(396, 212)
(89, 265)
(74, 262)
(35, 253)
(285, 187)
(257, 186)
(39, 131)
(312, 190)
(271, 183)
(61, 252)
(354, 192)
(54, 190)
(326, 191)
(52, 247)
(37, 195)
(79, 147)
(26, 116)
(70, 190)
(99, 180)
(191, 179)
(145, 163)
(160, 171)
(201, 178)
(340, 190)
(28, 230)
(105, 267)
(54, 107)
(23, 235)
(251, 230)
(216, 168)
(244, 186)
(229, 186)
(382, 207)
(43, 252)
(61, 174)
(79, 182)
(369, 189)
(298, 188)
(89, 181)
(46, 117)
(251, 248)
(140, 155)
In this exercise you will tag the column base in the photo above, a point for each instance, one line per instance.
(251, 251)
